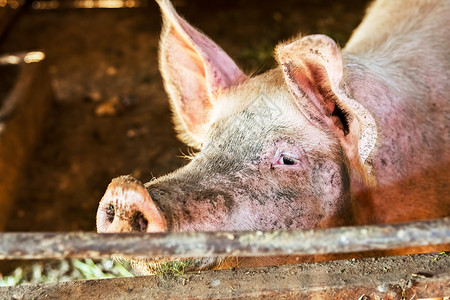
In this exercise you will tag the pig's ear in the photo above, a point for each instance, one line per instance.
(194, 70)
(313, 70)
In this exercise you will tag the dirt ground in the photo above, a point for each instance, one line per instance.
(419, 277)
(97, 57)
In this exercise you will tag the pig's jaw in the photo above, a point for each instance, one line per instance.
(167, 267)
(173, 267)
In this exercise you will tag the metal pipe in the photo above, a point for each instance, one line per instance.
(205, 244)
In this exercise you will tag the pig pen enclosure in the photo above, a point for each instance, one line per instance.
(96, 109)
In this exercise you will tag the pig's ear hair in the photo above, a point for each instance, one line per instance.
(194, 70)
(313, 70)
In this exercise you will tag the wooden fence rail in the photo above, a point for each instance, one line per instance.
(201, 244)
(402, 277)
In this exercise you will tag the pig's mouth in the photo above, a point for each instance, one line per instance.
(128, 207)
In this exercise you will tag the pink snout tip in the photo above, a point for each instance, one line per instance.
(128, 207)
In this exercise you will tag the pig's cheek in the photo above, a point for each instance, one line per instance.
(294, 177)
(208, 212)
(329, 181)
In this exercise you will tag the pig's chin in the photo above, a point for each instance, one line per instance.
(170, 267)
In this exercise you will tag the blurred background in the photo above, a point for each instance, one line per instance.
(109, 113)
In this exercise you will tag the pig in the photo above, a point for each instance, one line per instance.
(330, 137)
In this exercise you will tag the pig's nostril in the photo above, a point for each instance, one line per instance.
(139, 222)
(128, 207)
(110, 212)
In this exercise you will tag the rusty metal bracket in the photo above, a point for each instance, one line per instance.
(201, 244)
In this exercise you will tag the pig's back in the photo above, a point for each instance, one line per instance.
(398, 67)
(410, 24)
(406, 40)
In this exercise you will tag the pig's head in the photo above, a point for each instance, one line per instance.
(276, 150)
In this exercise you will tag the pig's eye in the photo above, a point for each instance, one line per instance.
(287, 160)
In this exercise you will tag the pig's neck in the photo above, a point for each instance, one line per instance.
(408, 150)
(366, 85)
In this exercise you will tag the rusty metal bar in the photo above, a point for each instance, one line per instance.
(402, 277)
(201, 244)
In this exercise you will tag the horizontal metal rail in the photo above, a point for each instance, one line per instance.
(205, 244)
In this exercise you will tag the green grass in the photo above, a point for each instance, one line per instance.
(167, 269)
(66, 270)
(172, 268)
(86, 269)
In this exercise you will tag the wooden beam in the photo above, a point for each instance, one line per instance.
(205, 244)
(401, 277)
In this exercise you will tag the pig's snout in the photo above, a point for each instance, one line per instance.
(128, 207)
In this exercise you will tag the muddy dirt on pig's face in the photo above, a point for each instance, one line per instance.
(262, 166)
